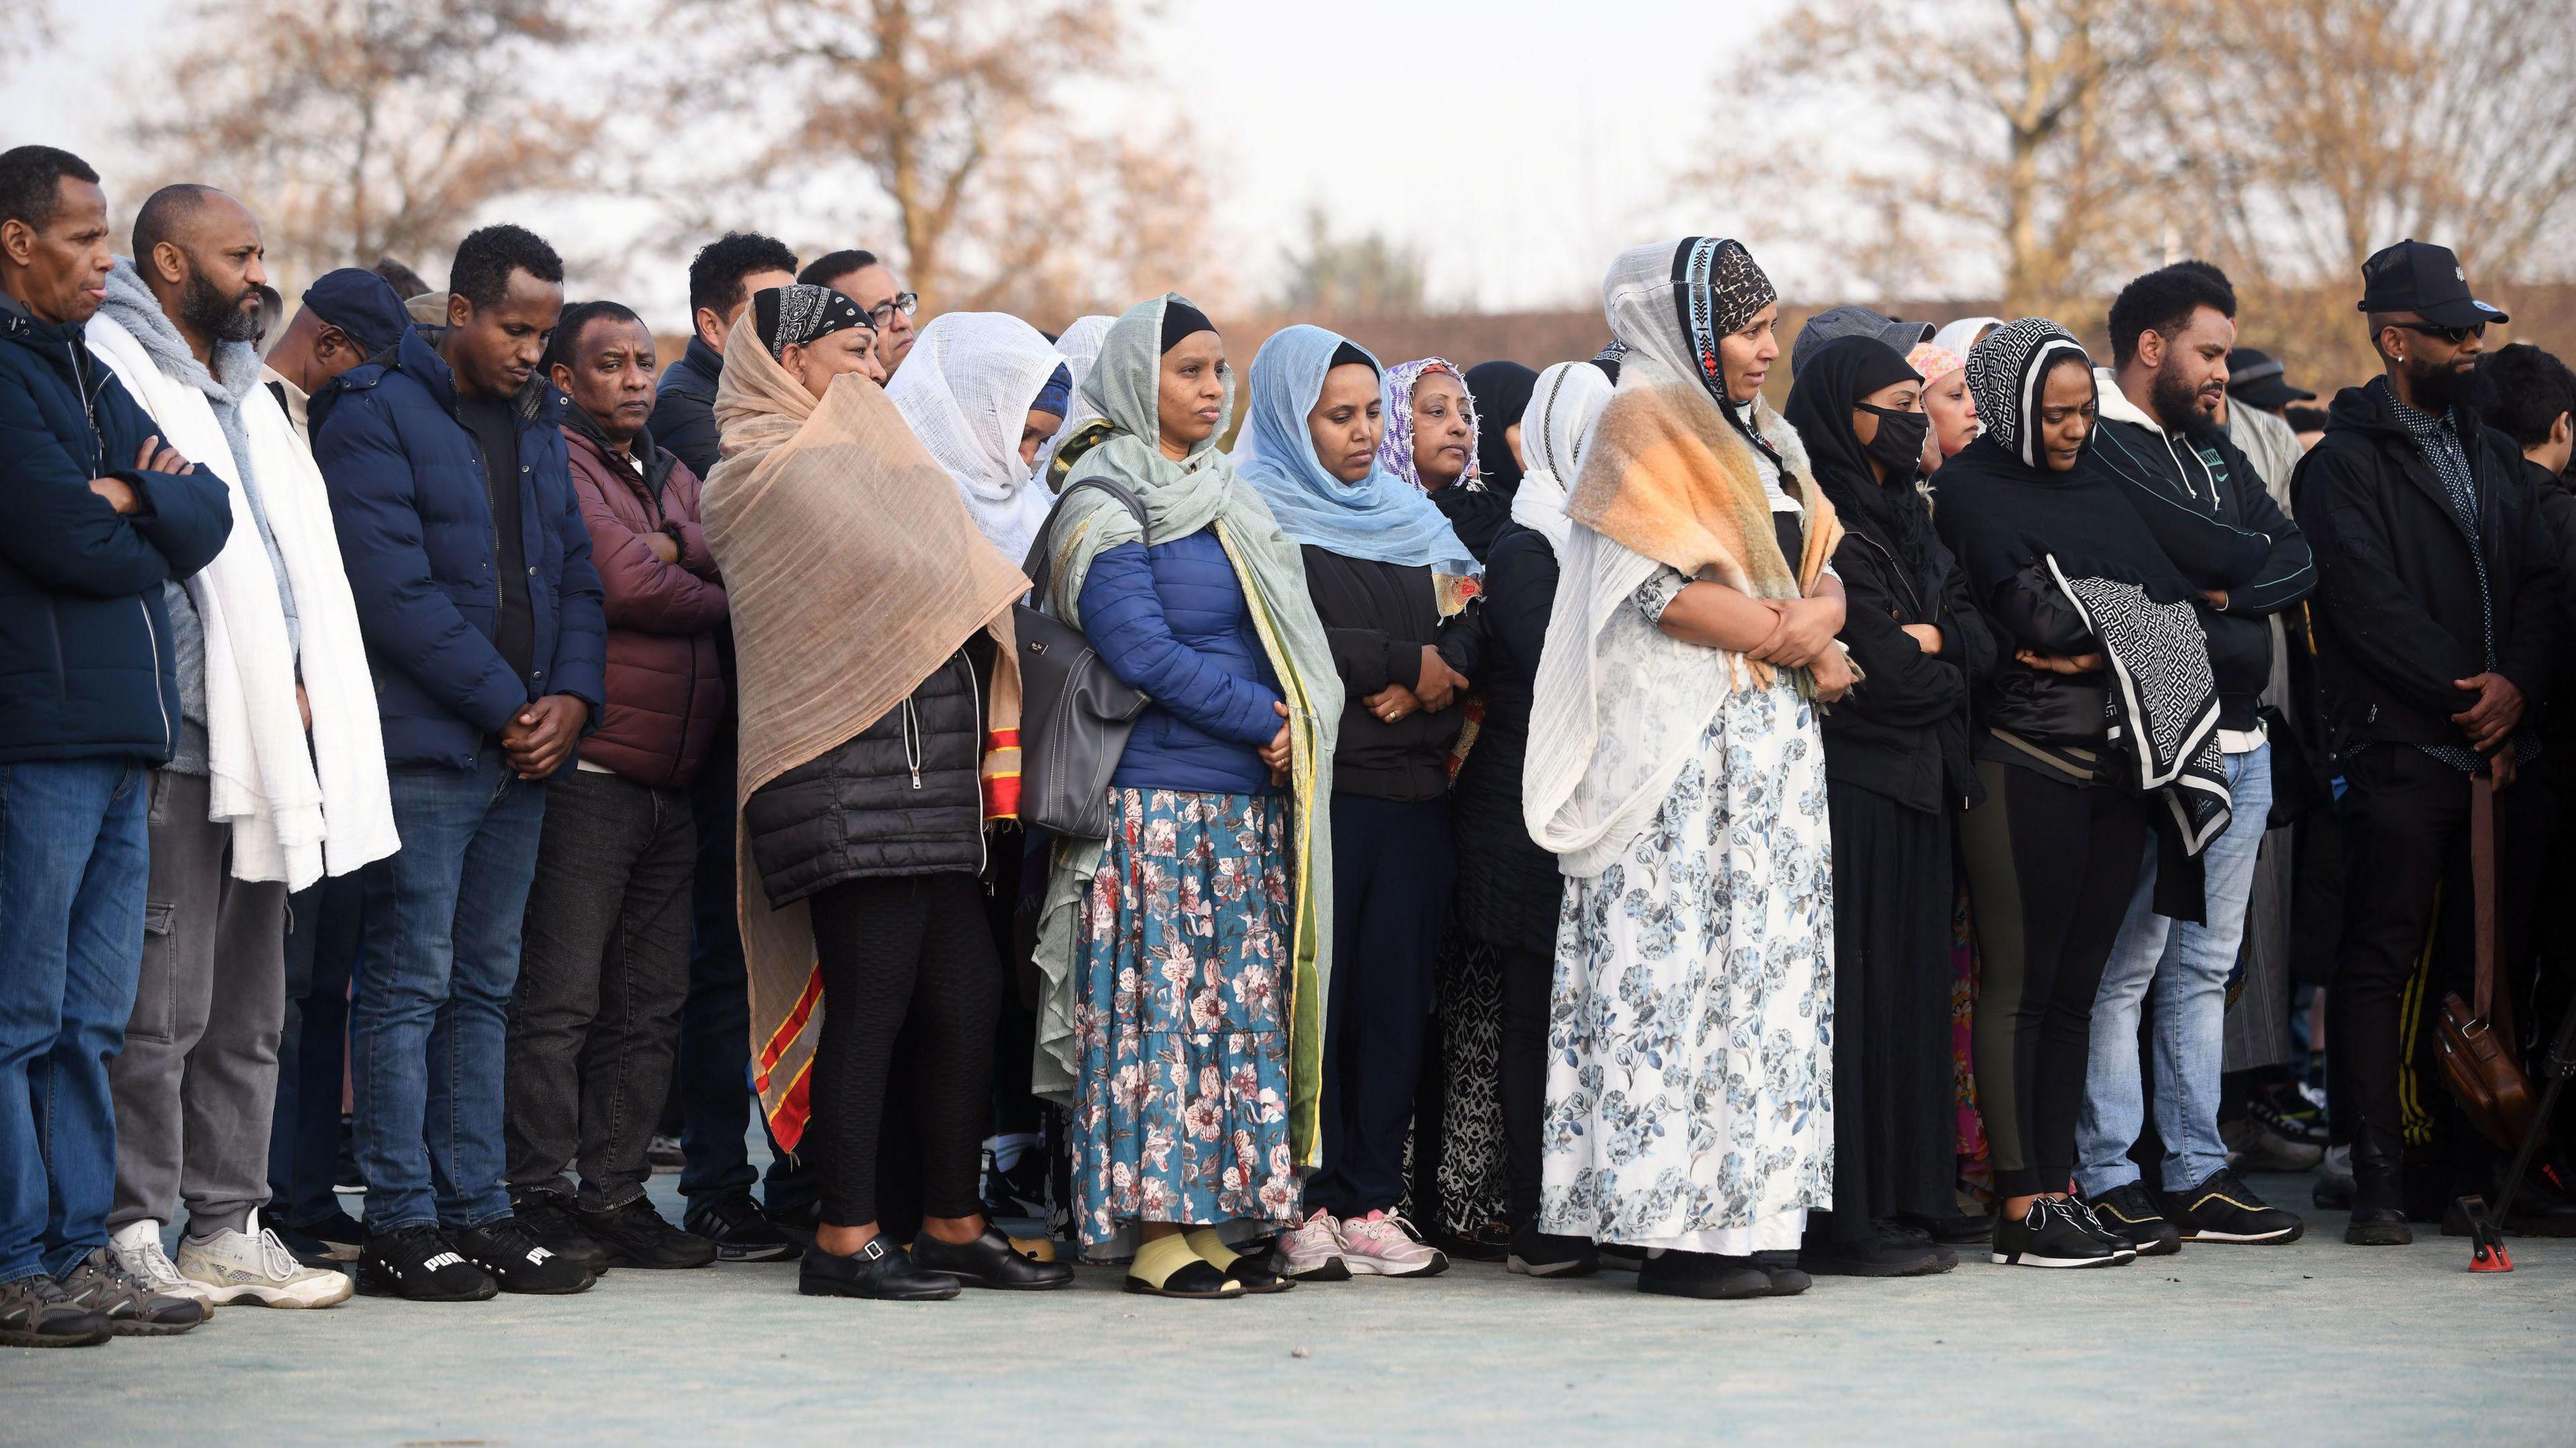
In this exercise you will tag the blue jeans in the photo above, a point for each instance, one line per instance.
(2188, 966)
(75, 859)
(428, 1018)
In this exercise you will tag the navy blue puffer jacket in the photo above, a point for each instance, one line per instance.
(415, 525)
(1171, 623)
(86, 668)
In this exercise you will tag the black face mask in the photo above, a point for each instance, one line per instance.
(1899, 444)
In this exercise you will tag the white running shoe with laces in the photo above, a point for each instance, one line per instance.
(254, 1266)
(136, 1246)
(1383, 1244)
(1311, 1251)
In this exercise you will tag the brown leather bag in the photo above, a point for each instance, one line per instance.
(2476, 1039)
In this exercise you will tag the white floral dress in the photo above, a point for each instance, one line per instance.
(1690, 1077)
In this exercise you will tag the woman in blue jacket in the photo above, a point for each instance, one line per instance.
(1185, 952)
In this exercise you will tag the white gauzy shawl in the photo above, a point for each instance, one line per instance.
(1563, 403)
(965, 391)
(298, 810)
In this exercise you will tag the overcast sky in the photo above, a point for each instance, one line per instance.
(1518, 145)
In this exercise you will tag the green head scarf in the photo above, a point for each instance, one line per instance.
(1181, 498)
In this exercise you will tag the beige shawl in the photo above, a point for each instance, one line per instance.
(852, 571)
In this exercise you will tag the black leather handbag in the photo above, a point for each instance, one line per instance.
(1075, 715)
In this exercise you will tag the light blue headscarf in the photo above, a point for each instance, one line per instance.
(1377, 518)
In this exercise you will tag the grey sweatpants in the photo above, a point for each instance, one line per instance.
(197, 1080)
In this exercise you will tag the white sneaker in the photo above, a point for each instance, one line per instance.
(1383, 1244)
(234, 1267)
(136, 1246)
(1311, 1251)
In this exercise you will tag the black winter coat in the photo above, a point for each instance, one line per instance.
(1508, 887)
(1377, 617)
(902, 797)
(2398, 611)
(684, 407)
(1903, 730)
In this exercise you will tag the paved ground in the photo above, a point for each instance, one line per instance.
(2314, 1342)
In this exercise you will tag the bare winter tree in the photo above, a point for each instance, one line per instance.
(1994, 133)
(26, 26)
(952, 115)
(366, 128)
(1366, 276)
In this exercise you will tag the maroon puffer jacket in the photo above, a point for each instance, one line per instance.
(666, 692)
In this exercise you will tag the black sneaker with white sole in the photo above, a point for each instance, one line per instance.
(421, 1264)
(1544, 1254)
(519, 1262)
(2129, 1212)
(2224, 1209)
(2052, 1235)
(2120, 1246)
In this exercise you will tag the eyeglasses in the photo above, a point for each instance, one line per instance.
(2453, 335)
(904, 302)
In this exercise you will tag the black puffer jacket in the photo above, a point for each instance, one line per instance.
(2398, 610)
(902, 797)
(1508, 886)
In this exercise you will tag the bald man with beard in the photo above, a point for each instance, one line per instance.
(196, 1084)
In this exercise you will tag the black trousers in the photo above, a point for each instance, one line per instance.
(2051, 868)
(903, 956)
(1529, 978)
(603, 970)
(2405, 836)
(1895, 1147)
(1392, 866)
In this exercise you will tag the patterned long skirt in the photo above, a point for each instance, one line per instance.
(1181, 1018)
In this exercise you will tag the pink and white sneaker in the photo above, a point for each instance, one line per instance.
(1384, 1244)
(1311, 1251)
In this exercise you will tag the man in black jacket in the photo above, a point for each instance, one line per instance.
(714, 1084)
(2438, 604)
(2162, 441)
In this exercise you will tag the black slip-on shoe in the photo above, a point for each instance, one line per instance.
(1703, 1275)
(1787, 1278)
(2051, 1236)
(519, 1262)
(2131, 1213)
(875, 1271)
(1883, 1253)
(420, 1264)
(989, 1261)
(2224, 1209)
(1547, 1254)
(36, 1312)
(635, 1235)
(1196, 1280)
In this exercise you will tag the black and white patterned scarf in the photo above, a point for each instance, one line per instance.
(2005, 372)
(1719, 286)
(2163, 699)
(787, 316)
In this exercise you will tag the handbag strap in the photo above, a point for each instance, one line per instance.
(2482, 883)
(1040, 564)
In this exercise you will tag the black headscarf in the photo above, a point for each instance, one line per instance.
(1840, 373)
(786, 316)
(1180, 320)
(1502, 392)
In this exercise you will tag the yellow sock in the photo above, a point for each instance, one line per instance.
(1204, 1241)
(1157, 1260)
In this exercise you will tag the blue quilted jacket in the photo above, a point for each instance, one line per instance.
(1171, 622)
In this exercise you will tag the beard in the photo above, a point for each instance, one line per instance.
(2439, 387)
(2177, 405)
(206, 310)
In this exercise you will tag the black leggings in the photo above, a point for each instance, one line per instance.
(2051, 869)
(1528, 978)
(903, 955)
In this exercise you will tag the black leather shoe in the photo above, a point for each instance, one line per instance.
(2378, 1193)
(1886, 1251)
(875, 1270)
(989, 1261)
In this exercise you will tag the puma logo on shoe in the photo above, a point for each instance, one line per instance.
(537, 1256)
(442, 1261)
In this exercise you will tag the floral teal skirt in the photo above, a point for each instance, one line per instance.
(1180, 1016)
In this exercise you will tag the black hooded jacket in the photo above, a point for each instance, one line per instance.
(2398, 613)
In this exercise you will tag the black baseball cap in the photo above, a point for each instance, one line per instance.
(2428, 280)
(2255, 379)
(360, 303)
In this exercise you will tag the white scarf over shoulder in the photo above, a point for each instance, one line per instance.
(298, 809)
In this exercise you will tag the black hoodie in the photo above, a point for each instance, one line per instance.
(2399, 617)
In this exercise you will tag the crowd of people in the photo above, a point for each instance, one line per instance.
(1580, 818)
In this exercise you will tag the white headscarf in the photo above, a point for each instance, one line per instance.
(965, 391)
(1960, 337)
(1080, 345)
(1563, 403)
